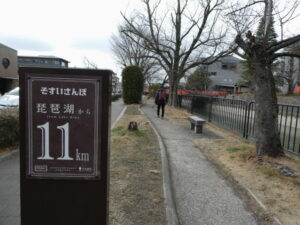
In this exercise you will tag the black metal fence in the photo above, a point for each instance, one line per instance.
(239, 116)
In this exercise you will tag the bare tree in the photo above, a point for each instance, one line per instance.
(128, 52)
(181, 37)
(286, 76)
(89, 64)
(261, 53)
(286, 15)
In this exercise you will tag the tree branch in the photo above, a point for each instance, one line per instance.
(246, 6)
(282, 44)
(289, 54)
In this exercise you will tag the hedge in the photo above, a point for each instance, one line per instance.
(9, 127)
(133, 83)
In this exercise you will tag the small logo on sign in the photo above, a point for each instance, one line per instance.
(40, 168)
(5, 63)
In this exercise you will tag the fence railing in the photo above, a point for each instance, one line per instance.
(239, 116)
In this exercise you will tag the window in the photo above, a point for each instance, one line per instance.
(232, 66)
(203, 67)
(224, 66)
(213, 74)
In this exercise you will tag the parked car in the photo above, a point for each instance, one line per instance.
(10, 99)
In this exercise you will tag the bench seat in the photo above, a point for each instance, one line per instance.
(196, 123)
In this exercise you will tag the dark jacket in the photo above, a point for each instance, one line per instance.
(161, 97)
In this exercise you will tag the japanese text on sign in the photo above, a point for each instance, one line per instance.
(63, 91)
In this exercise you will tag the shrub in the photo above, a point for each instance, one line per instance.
(133, 83)
(9, 127)
(115, 97)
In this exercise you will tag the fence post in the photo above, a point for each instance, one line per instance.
(210, 102)
(247, 120)
(192, 104)
(179, 99)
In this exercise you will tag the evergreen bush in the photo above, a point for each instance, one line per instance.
(9, 127)
(133, 83)
(115, 97)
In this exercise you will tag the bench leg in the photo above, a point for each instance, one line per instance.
(198, 129)
(192, 126)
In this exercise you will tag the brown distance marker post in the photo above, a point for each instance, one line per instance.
(64, 152)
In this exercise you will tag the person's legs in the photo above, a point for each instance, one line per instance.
(163, 110)
(158, 109)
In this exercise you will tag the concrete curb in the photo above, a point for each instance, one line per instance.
(8, 154)
(119, 117)
(262, 205)
(171, 211)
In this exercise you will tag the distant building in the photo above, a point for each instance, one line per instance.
(116, 85)
(42, 61)
(225, 74)
(8, 68)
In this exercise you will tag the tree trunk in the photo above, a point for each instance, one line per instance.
(173, 93)
(266, 111)
(290, 76)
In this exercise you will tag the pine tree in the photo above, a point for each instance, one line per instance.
(272, 38)
(198, 80)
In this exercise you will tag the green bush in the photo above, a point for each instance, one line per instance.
(9, 127)
(115, 97)
(133, 83)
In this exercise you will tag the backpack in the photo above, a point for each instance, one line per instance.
(162, 96)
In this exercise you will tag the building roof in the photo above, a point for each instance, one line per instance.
(225, 85)
(4, 46)
(43, 57)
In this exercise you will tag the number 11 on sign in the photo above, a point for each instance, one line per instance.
(45, 142)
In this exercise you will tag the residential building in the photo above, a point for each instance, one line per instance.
(225, 75)
(43, 61)
(8, 68)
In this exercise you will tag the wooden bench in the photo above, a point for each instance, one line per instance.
(196, 123)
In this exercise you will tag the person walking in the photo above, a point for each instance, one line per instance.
(160, 101)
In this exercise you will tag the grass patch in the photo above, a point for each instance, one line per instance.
(121, 131)
(296, 181)
(139, 133)
(118, 131)
(269, 172)
(238, 148)
(136, 194)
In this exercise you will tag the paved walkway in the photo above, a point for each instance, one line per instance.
(10, 190)
(201, 196)
(10, 180)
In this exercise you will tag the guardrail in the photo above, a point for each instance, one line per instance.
(239, 116)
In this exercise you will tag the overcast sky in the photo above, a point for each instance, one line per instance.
(70, 29)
